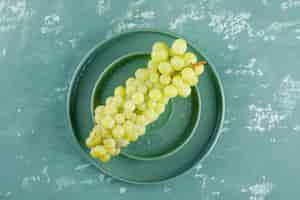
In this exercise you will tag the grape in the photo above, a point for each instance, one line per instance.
(142, 88)
(184, 90)
(130, 81)
(142, 74)
(117, 101)
(198, 69)
(138, 98)
(154, 77)
(151, 104)
(119, 91)
(141, 120)
(165, 79)
(192, 81)
(130, 89)
(109, 145)
(148, 84)
(128, 126)
(108, 100)
(155, 94)
(179, 47)
(116, 152)
(104, 158)
(160, 108)
(187, 73)
(159, 55)
(142, 107)
(177, 63)
(177, 81)
(164, 68)
(99, 109)
(131, 136)
(107, 122)
(92, 141)
(170, 91)
(150, 115)
(189, 58)
(130, 116)
(98, 151)
(129, 106)
(152, 66)
(118, 131)
(159, 46)
(165, 99)
(140, 130)
(110, 109)
(98, 117)
(119, 118)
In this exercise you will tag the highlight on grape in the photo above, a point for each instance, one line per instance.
(170, 72)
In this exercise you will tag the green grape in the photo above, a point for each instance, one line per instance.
(140, 130)
(192, 81)
(170, 91)
(116, 152)
(142, 74)
(107, 122)
(131, 136)
(98, 151)
(130, 89)
(130, 116)
(130, 81)
(177, 81)
(187, 73)
(119, 91)
(184, 90)
(189, 58)
(151, 104)
(142, 88)
(104, 158)
(152, 65)
(150, 115)
(154, 77)
(110, 109)
(128, 126)
(142, 107)
(137, 98)
(177, 63)
(129, 106)
(117, 101)
(119, 118)
(109, 100)
(155, 94)
(198, 69)
(165, 79)
(179, 47)
(109, 143)
(141, 120)
(159, 46)
(160, 108)
(99, 116)
(118, 131)
(93, 139)
(164, 68)
(159, 55)
(99, 109)
(148, 84)
(165, 99)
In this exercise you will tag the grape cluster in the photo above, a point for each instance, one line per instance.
(123, 119)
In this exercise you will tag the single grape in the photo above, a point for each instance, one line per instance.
(179, 47)
(110, 109)
(155, 94)
(177, 63)
(99, 109)
(170, 91)
(118, 131)
(137, 98)
(159, 55)
(184, 90)
(119, 91)
(189, 58)
(130, 116)
(142, 74)
(150, 115)
(123, 142)
(129, 106)
(142, 88)
(130, 89)
(119, 118)
(177, 81)
(165, 79)
(154, 77)
(109, 100)
(109, 143)
(140, 130)
(142, 107)
(107, 122)
(104, 158)
(152, 65)
(141, 120)
(117, 101)
(130, 81)
(128, 126)
(164, 68)
(98, 151)
(93, 140)
(131, 136)
(192, 81)
(116, 152)
(151, 104)
(160, 108)
(187, 73)
(159, 46)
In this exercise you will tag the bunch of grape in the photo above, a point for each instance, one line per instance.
(123, 119)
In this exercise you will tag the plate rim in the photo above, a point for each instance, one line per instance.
(211, 143)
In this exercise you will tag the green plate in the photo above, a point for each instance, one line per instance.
(170, 132)
(144, 171)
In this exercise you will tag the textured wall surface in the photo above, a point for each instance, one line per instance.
(255, 46)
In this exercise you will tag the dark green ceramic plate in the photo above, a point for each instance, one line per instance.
(170, 132)
(175, 155)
